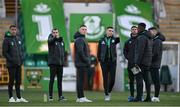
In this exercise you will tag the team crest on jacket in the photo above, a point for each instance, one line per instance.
(19, 42)
(62, 43)
(113, 41)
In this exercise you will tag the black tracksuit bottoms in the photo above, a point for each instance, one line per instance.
(14, 74)
(131, 81)
(144, 75)
(156, 81)
(109, 74)
(55, 70)
(81, 71)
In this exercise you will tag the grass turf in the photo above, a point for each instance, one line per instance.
(35, 98)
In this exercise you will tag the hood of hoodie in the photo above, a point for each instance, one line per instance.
(160, 36)
(146, 33)
(8, 34)
(77, 34)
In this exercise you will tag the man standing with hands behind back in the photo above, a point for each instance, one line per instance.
(12, 51)
(82, 61)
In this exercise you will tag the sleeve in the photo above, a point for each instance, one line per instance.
(99, 50)
(22, 50)
(65, 53)
(157, 48)
(117, 40)
(51, 39)
(139, 49)
(5, 50)
(126, 50)
(80, 50)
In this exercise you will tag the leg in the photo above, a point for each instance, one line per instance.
(59, 80)
(90, 77)
(51, 82)
(131, 82)
(112, 71)
(147, 82)
(18, 81)
(80, 82)
(11, 71)
(156, 80)
(105, 77)
(139, 85)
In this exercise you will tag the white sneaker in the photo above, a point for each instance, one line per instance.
(11, 100)
(107, 97)
(77, 100)
(87, 100)
(155, 99)
(82, 100)
(51, 99)
(21, 100)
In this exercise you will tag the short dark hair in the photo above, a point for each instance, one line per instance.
(152, 28)
(142, 25)
(83, 26)
(55, 29)
(12, 26)
(109, 27)
(133, 27)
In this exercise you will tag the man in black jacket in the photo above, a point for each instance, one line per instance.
(143, 57)
(82, 61)
(158, 38)
(56, 61)
(107, 56)
(12, 51)
(128, 52)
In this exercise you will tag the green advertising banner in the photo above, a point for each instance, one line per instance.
(129, 13)
(96, 25)
(39, 18)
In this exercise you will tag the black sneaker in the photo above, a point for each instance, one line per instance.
(147, 100)
(62, 98)
(137, 100)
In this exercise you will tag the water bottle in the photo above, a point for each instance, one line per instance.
(45, 97)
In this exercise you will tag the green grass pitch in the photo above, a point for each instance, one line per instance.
(35, 98)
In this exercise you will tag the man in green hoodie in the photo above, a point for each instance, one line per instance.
(12, 51)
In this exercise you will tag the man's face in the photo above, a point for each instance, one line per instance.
(83, 30)
(109, 32)
(13, 31)
(140, 28)
(153, 32)
(134, 31)
(55, 33)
